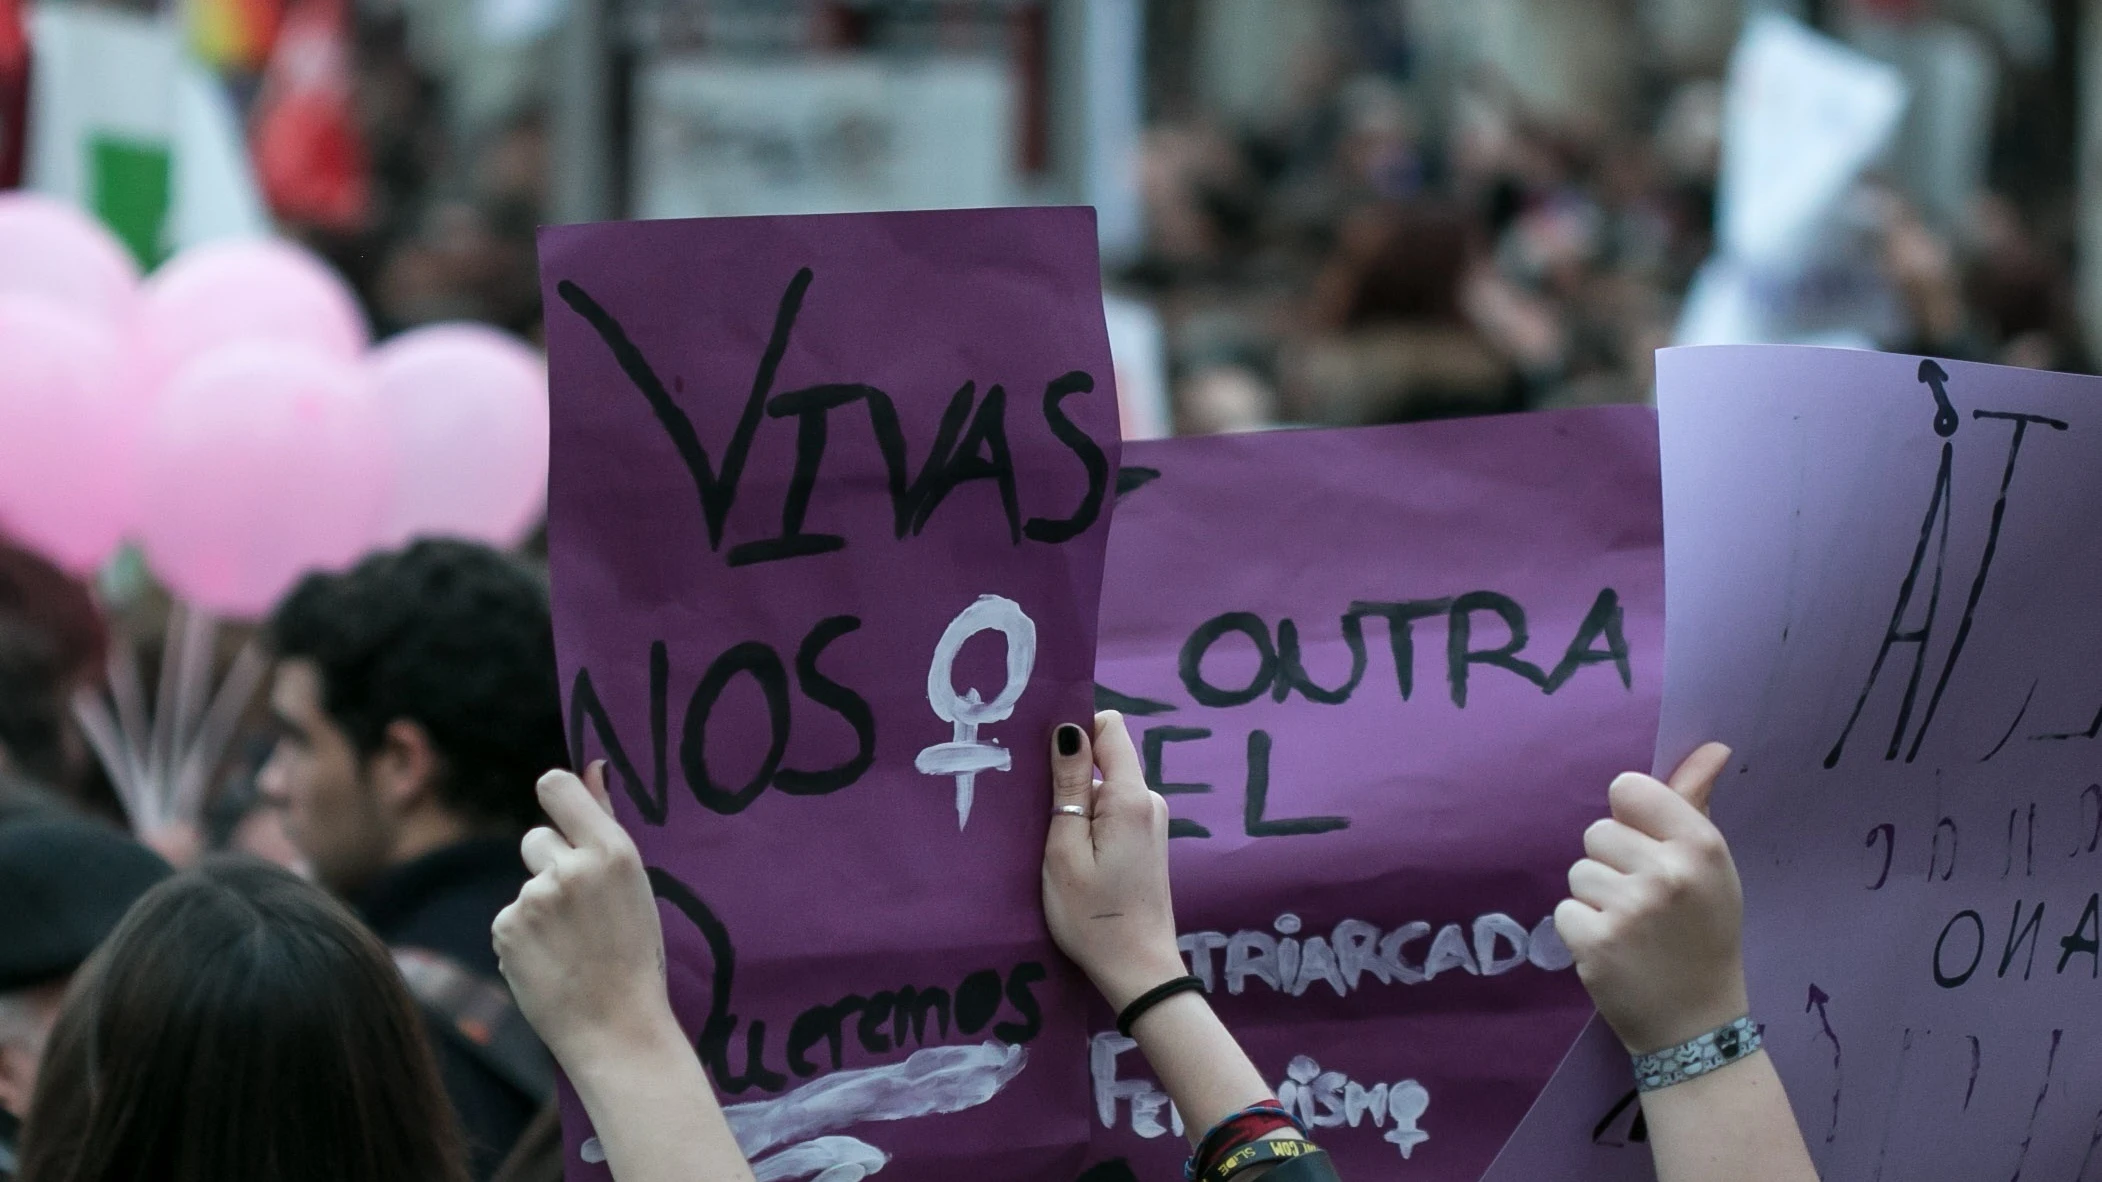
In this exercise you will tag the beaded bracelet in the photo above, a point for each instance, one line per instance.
(1697, 1056)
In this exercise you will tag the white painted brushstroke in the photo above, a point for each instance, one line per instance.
(929, 1082)
(966, 755)
(828, 1159)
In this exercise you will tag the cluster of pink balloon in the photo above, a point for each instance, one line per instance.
(227, 414)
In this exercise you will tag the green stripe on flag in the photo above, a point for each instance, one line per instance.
(130, 183)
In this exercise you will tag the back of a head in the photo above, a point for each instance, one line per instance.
(52, 641)
(239, 1026)
(453, 636)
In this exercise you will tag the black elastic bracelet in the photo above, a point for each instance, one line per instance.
(1255, 1153)
(1153, 997)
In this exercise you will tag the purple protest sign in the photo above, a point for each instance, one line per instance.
(1384, 677)
(1882, 574)
(830, 497)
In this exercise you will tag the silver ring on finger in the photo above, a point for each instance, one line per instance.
(1069, 810)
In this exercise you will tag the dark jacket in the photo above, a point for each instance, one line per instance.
(444, 902)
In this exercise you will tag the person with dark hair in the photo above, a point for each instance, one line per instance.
(65, 884)
(239, 1026)
(53, 642)
(416, 701)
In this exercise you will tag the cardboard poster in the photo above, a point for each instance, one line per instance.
(1383, 677)
(830, 497)
(1883, 573)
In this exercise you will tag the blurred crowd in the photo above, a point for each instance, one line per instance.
(1390, 243)
(1389, 234)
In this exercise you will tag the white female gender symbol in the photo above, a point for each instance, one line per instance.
(965, 756)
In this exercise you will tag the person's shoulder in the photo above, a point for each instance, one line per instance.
(444, 901)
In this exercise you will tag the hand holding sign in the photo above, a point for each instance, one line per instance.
(1106, 872)
(1656, 910)
(582, 946)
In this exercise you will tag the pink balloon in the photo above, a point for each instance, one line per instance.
(260, 289)
(262, 461)
(50, 249)
(468, 409)
(68, 429)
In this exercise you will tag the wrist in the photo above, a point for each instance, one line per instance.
(1123, 983)
(1663, 1031)
(645, 1034)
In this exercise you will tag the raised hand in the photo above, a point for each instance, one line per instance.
(1106, 868)
(582, 946)
(1656, 912)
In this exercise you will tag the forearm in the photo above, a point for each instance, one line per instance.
(1198, 1062)
(656, 1116)
(1730, 1125)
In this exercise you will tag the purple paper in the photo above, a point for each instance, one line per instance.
(830, 497)
(1883, 571)
(1259, 590)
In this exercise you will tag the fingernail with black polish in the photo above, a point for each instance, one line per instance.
(1069, 739)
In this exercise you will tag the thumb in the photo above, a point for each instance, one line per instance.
(595, 779)
(1695, 778)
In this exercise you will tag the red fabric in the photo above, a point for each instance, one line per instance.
(14, 92)
(1260, 1121)
(310, 156)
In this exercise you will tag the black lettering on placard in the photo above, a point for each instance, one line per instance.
(1129, 704)
(906, 1011)
(1940, 509)
(2012, 726)
(2019, 934)
(1934, 851)
(2094, 837)
(822, 1023)
(908, 494)
(1092, 458)
(810, 407)
(1460, 657)
(721, 1025)
(968, 446)
(1401, 618)
(652, 802)
(1020, 997)
(1889, 833)
(873, 1015)
(1291, 664)
(1152, 750)
(1258, 800)
(2043, 1090)
(988, 434)
(917, 1005)
(841, 701)
(1131, 478)
(763, 666)
(2086, 938)
(717, 488)
(2028, 842)
(1944, 978)
(1608, 1130)
(977, 1000)
(1605, 621)
(2022, 423)
(1191, 663)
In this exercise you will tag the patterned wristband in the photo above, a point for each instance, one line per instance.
(1697, 1056)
